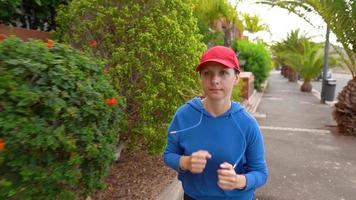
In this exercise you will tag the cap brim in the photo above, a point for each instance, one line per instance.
(223, 62)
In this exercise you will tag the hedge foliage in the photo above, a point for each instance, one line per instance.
(257, 60)
(151, 48)
(58, 133)
(237, 90)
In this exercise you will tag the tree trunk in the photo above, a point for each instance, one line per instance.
(228, 36)
(293, 75)
(286, 71)
(282, 70)
(306, 86)
(345, 109)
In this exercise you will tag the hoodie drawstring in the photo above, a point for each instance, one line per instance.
(244, 143)
(233, 119)
(196, 125)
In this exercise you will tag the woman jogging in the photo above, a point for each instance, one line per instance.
(213, 143)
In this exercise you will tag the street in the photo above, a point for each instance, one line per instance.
(341, 82)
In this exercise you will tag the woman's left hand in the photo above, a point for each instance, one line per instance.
(228, 179)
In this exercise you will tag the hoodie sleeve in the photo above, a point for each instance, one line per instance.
(257, 172)
(173, 151)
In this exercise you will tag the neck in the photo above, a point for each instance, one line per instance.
(216, 108)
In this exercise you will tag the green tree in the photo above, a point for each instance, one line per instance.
(151, 49)
(210, 11)
(32, 14)
(302, 55)
(293, 43)
(308, 63)
(340, 16)
(252, 24)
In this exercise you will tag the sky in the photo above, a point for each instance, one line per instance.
(281, 22)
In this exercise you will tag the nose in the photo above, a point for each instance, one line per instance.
(215, 80)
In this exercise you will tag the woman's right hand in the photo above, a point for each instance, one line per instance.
(196, 162)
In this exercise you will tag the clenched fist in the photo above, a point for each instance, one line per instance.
(228, 179)
(196, 162)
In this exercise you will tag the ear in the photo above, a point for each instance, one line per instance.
(237, 79)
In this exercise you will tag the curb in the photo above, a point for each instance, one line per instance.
(252, 105)
(173, 191)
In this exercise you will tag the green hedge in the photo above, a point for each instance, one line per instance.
(151, 48)
(237, 90)
(59, 132)
(258, 60)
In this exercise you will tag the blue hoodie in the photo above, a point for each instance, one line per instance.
(232, 137)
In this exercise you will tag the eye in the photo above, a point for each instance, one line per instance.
(224, 72)
(205, 73)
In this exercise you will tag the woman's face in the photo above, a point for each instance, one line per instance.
(218, 81)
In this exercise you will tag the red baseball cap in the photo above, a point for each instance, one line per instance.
(220, 54)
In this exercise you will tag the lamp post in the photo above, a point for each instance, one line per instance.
(325, 67)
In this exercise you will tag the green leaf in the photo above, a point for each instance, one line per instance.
(38, 2)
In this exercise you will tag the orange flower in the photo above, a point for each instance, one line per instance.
(2, 144)
(50, 43)
(2, 37)
(93, 44)
(111, 102)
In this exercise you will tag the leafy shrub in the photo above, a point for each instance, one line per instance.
(258, 60)
(59, 133)
(33, 14)
(151, 48)
(237, 90)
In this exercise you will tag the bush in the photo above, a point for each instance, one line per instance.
(59, 132)
(258, 60)
(151, 48)
(237, 90)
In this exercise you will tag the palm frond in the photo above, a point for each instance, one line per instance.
(339, 15)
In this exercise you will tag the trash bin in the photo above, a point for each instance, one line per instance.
(330, 89)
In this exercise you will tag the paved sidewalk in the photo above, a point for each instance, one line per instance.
(306, 160)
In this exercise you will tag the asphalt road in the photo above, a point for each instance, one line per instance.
(341, 82)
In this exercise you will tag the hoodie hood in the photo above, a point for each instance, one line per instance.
(197, 104)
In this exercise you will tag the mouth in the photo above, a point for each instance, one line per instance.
(215, 90)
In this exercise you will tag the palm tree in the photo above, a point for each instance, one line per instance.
(340, 17)
(293, 43)
(209, 12)
(308, 62)
(253, 24)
